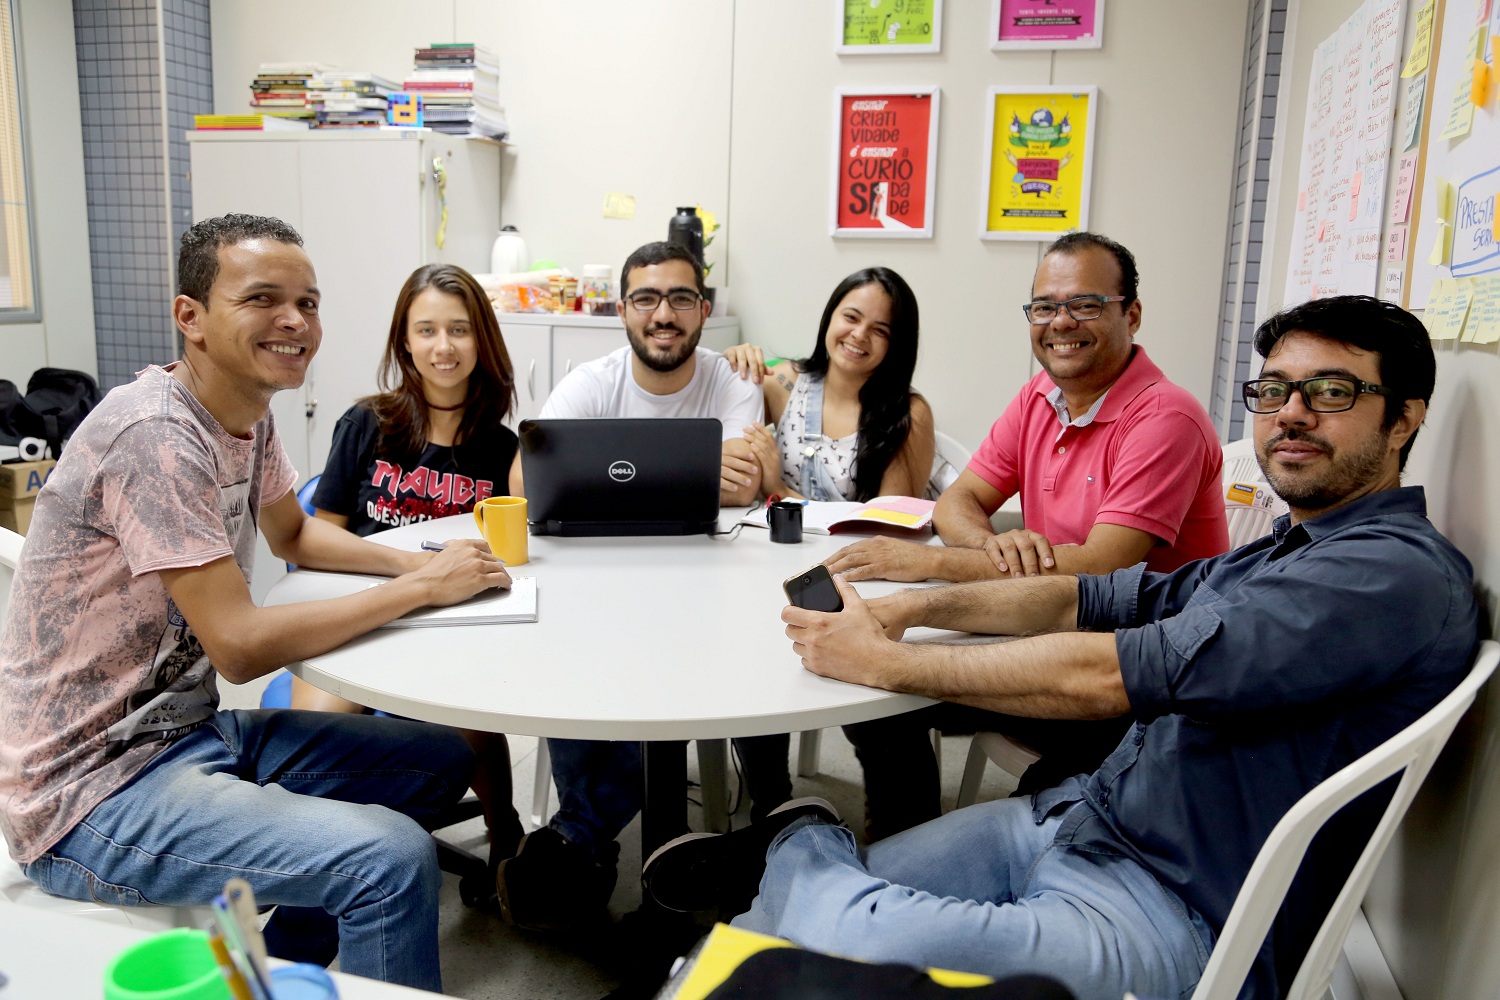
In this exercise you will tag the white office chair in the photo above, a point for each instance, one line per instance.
(17, 889)
(1411, 753)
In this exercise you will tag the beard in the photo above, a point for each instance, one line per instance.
(1344, 474)
(660, 359)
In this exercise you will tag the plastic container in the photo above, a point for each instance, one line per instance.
(598, 298)
(686, 229)
(509, 252)
(173, 965)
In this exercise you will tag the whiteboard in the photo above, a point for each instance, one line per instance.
(1471, 164)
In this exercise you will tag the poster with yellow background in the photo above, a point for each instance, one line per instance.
(1040, 162)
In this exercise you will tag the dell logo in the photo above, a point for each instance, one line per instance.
(622, 472)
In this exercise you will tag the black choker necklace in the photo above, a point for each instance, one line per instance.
(445, 409)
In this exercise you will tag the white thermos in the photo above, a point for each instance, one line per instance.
(509, 252)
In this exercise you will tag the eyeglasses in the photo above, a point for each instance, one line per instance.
(1325, 394)
(1081, 307)
(646, 300)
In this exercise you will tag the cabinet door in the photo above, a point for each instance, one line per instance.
(572, 346)
(530, 349)
(361, 227)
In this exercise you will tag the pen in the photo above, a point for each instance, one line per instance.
(433, 546)
(235, 939)
(242, 904)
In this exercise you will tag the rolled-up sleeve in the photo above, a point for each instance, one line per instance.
(1294, 631)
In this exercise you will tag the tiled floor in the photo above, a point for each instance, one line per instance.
(483, 959)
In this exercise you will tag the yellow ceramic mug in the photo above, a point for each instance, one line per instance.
(502, 522)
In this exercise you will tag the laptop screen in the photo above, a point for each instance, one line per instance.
(619, 476)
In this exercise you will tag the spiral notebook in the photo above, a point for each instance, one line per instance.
(490, 607)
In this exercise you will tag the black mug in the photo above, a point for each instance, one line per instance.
(785, 518)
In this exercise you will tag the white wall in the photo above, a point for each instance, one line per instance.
(728, 105)
(1435, 904)
(1162, 175)
(65, 336)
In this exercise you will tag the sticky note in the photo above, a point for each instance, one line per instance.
(1421, 43)
(1463, 301)
(619, 206)
(1479, 85)
(1483, 326)
(1442, 246)
(1401, 201)
(1395, 245)
(1392, 291)
(1322, 228)
(1355, 183)
(1302, 200)
(1447, 307)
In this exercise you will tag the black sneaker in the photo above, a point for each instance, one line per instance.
(700, 871)
(552, 884)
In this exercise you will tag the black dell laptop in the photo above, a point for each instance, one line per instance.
(617, 476)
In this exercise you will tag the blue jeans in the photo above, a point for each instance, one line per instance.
(983, 889)
(601, 785)
(306, 806)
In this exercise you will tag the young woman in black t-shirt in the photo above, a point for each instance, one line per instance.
(431, 444)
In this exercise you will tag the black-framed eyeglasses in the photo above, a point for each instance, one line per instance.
(1081, 307)
(647, 299)
(1324, 394)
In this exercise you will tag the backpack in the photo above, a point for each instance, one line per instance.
(56, 401)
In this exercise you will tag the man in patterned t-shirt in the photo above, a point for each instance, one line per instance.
(120, 779)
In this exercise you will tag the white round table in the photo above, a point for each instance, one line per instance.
(638, 638)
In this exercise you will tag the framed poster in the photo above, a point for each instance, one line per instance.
(885, 27)
(884, 156)
(1040, 158)
(1046, 24)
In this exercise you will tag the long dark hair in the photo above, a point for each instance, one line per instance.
(401, 407)
(885, 398)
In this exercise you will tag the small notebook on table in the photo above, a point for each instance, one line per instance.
(831, 517)
(489, 607)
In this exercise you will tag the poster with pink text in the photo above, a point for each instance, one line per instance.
(884, 174)
(1046, 24)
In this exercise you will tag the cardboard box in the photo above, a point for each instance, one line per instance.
(20, 482)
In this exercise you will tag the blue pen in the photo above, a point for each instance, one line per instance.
(234, 937)
(433, 546)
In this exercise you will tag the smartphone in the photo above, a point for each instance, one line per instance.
(813, 589)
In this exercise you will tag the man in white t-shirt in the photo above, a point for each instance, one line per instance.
(120, 779)
(662, 372)
(564, 873)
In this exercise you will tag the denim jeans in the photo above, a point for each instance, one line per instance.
(601, 785)
(983, 889)
(308, 808)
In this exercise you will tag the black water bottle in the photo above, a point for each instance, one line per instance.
(686, 230)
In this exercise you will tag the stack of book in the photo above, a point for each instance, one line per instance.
(349, 100)
(281, 89)
(460, 87)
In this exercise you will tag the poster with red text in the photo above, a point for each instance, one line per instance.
(884, 173)
(1046, 24)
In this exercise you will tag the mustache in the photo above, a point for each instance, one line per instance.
(1294, 434)
(663, 327)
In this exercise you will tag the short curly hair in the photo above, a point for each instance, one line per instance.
(198, 256)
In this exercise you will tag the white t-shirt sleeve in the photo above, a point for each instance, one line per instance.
(740, 401)
(579, 396)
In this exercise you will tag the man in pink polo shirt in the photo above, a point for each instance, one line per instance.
(1115, 465)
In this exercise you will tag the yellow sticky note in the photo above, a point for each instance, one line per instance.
(1479, 86)
(619, 206)
(1484, 311)
(1463, 298)
(1421, 43)
(1447, 307)
(1442, 246)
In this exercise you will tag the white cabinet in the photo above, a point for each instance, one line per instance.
(369, 209)
(544, 347)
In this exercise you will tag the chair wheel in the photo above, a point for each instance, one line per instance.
(473, 891)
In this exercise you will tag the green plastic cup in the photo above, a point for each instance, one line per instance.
(173, 965)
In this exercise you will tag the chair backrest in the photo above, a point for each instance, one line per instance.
(1240, 465)
(1411, 751)
(305, 494)
(10, 558)
(948, 461)
(1249, 516)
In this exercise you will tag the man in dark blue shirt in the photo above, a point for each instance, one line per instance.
(1252, 677)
